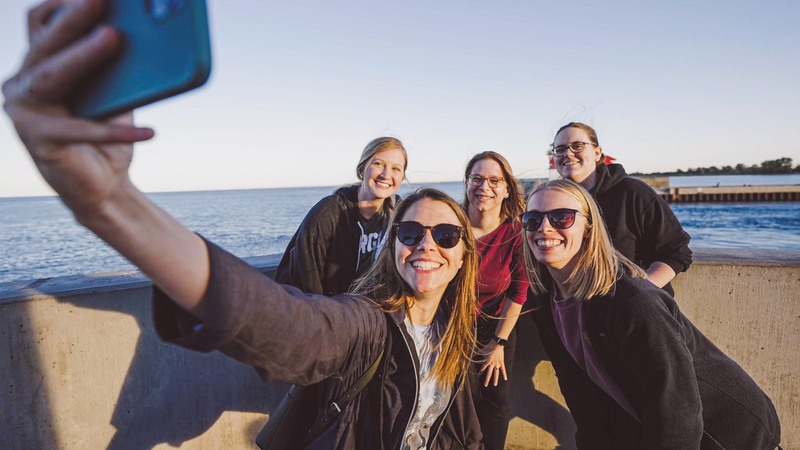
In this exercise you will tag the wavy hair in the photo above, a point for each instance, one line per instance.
(599, 264)
(384, 285)
(514, 204)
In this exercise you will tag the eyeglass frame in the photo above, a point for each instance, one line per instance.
(570, 147)
(497, 183)
(425, 228)
(547, 215)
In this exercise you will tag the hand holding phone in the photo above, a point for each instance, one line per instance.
(85, 161)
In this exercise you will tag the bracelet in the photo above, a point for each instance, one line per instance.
(500, 341)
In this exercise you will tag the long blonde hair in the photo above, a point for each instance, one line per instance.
(599, 264)
(384, 285)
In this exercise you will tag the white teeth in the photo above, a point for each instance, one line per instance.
(569, 163)
(425, 265)
(382, 184)
(548, 242)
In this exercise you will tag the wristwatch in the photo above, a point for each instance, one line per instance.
(500, 341)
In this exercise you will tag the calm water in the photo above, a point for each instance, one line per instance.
(39, 237)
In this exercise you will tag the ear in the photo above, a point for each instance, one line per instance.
(460, 263)
(598, 152)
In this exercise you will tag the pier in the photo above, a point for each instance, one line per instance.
(83, 368)
(716, 194)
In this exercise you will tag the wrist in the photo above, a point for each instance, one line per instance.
(500, 341)
(116, 206)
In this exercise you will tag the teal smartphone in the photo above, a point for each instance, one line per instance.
(166, 51)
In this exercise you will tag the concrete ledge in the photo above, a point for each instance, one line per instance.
(82, 367)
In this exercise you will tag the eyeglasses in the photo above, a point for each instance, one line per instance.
(560, 219)
(477, 180)
(576, 148)
(411, 233)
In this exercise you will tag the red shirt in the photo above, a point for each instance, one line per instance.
(501, 268)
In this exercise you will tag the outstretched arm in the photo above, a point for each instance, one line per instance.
(86, 162)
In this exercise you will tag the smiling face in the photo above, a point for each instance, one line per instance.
(383, 174)
(576, 167)
(483, 197)
(426, 267)
(556, 249)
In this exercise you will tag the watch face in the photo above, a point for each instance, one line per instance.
(500, 341)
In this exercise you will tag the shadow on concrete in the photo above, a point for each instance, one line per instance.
(24, 390)
(529, 404)
(172, 395)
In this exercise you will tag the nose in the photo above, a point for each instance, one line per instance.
(427, 243)
(386, 173)
(545, 220)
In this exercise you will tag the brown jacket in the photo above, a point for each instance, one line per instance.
(304, 339)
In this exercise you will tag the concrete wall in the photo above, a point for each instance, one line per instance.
(82, 367)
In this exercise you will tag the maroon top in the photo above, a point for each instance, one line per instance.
(501, 268)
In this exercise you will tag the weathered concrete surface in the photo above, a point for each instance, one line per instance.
(82, 367)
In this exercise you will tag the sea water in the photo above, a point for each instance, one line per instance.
(39, 237)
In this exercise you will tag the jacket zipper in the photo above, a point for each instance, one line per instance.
(416, 392)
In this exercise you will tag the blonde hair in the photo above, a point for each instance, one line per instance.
(599, 264)
(513, 205)
(384, 285)
(376, 146)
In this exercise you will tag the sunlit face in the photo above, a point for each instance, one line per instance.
(426, 267)
(383, 174)
(576, 167)
(484, 197)
(557, 249)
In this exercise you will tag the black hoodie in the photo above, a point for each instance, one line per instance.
(325, 254)
(640, 223)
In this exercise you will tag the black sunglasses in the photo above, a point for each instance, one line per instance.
(411, 233)
(561, 218)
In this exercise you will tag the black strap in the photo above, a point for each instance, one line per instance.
(336, 407)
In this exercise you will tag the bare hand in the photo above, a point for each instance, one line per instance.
(84, 161)
(495, 363)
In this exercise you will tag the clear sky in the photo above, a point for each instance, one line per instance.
(298, 88)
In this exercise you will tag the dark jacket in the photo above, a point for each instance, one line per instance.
(305, 339)
(322, 257)
(686, 392)
(641, 224)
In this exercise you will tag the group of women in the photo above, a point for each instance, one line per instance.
(444, 282)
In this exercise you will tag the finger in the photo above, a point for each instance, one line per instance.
(62, 27)
(55, 77)
(488, 378)
(51, 125)
(484, 366)
(496, 377)
(40, 15)
(503, 370)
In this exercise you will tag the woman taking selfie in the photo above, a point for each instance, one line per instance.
(420, 292)
(493, 203)
(641, 224)
(635, 372)
(341, 236)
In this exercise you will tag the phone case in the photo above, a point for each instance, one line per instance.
(166, 51)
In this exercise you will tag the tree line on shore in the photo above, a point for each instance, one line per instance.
(771, 167)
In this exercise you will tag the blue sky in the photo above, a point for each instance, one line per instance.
(298, 88)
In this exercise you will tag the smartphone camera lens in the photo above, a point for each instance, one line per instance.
(163, 9)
